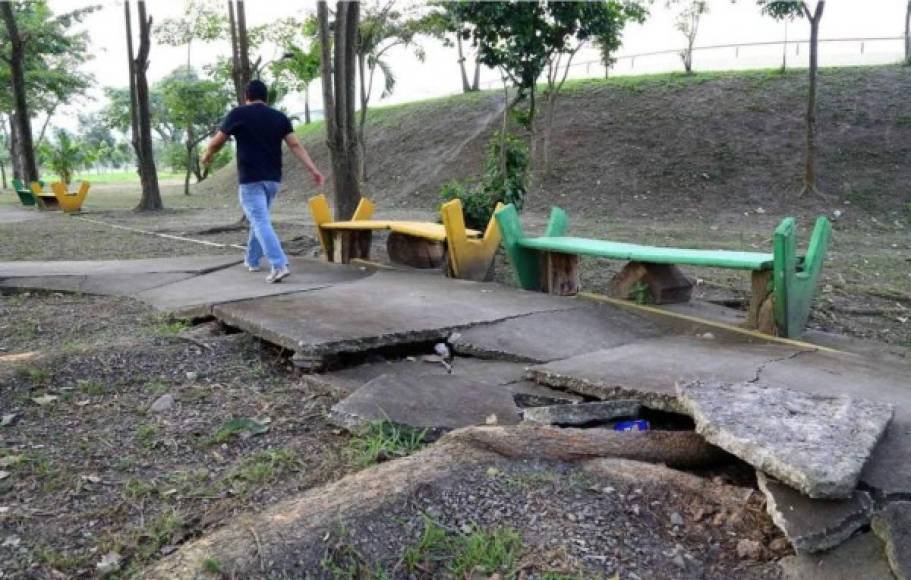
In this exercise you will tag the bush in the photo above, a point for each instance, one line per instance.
(477, 206)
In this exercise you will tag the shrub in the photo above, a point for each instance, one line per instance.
(477, 206)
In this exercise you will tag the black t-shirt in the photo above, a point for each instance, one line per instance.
(259, 130)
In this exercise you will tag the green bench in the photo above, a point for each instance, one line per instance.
(783, 282)
(25, 194)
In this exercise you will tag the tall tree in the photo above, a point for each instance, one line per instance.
(196, 105)
(908, 33)
(298, 70)
(443, 23)
(140, 115)
(382, 28)
(240, 48)
(338, 57)
(781, 9)
(22, 119)
(687, 21)
(199, 21)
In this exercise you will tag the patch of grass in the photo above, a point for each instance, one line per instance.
(479, 553)
(433, 549)
(138, 489)
(92, 388)
(211, 565)
(169, 328)
(640, 293)
(156, 387)
(265, 466)
(63, 561)
(383, 440)
(37, 375)
(236, 427)
(903, 121)
(146, 435)
(165, 529)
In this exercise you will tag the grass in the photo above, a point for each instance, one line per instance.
(236, 427)
(128, 176)
(146, 435)
(211, 565)
(92, 388)
(479, 553)
(383, 440)
(263, 467)
(169, 328)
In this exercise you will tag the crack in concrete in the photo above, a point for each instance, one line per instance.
(762, 367)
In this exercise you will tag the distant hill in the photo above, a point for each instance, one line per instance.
(712, 142)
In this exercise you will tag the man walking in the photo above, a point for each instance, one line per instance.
(259, 130)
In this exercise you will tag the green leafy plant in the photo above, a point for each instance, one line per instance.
(477, 206)
(640, 293)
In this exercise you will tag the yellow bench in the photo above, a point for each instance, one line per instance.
(59, 198)
(70, 201)
(467, 254)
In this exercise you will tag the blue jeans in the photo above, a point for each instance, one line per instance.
(256, 199)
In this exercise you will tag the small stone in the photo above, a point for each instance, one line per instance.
(749, 549)
(108, 564)
(44, 400)
(4, 475)
(676, 519)
(779, 545)
(192, 375)
(8, 419)
(11, 541)
(893, 526)
(162, 403)
(679, 561)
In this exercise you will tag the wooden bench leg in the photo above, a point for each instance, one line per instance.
(560, 273)
(761, 291)
(415, 252)
(348, 245)
(665, 282)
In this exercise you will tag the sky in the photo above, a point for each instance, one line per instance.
(727, 23)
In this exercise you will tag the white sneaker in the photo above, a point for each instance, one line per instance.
(278, 274)
(252, 268)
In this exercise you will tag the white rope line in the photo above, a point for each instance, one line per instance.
(160, 235)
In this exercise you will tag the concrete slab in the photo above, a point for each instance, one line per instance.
(103, 284)
(889, 469)
(196, 296)
(582, 414)
(815, 443)
(648, 370)
(893, 526)
(187, 264)
(435, 403)
(861, 557)
(814, 525)
(507, 375)
(391, 308)
(549, 336)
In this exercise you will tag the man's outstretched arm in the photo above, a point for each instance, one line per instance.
(215, 145)
(295, 145)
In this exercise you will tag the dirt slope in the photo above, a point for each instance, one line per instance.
(713, 142)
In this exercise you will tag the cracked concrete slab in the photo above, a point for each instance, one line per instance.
(391, 308)
(817, 444)
(549, 336)
(196, 296)
(893, 526)
(860, 557)
(185, 264)
(102, 284)
(814, 525)
(432, 403)
(648, 370)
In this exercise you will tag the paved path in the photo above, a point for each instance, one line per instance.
(326, 312)
(10, 214)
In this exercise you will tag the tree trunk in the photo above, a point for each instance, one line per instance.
(235, 55)
(362, 121)
(3, 174)
(23, 121)
(908, 34)
(307, 106)
(809, 179)
(243, 44)
(466, 88)
(476, 83)
(151, 195)
(189, 144)
(15, 156)
(134, 109)
(338, 72)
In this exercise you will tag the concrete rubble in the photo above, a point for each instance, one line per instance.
(814, 525)
(893, 526)
(582, 413)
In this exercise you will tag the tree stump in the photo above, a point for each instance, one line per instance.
(560, 273)
(761, 289)
(415, 252)
(348, 245)
(665, 282)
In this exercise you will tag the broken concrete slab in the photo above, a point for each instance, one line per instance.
(185, 264)
(814, 525)
(815, 443)
(549, 336)
(196, 296)
(893, 526)
(647, 370)
(877, 380)
(390, 309)
(102, 284)
(435, 403)
(582, 413)
(860, 557)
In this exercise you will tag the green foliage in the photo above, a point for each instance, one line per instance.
(781, 9)
(64, 155)
(265, 466)
(383, 440)
(506, 172)
(479, 553)
(211, 565)
(477, 207)
(200, 21)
